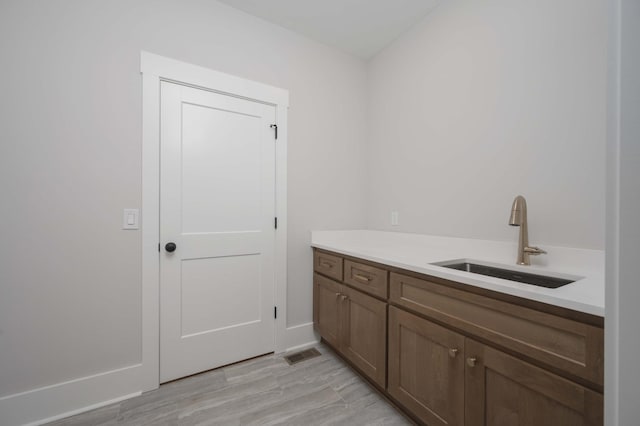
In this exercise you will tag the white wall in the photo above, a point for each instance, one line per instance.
(70, 160)
(622, 376)
(507, 96)
(485, 100)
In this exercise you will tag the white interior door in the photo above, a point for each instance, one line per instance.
(217, 204)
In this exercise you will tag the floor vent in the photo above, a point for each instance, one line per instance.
(302, 356)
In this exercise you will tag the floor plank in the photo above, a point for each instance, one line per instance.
(262, 391)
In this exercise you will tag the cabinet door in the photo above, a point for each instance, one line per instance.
(364, 322)
(426, 368)
(504, 391)
(326, 305)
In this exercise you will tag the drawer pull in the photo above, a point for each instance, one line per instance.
(361, 278)
(453, 352)
(344, 297)
(337, 294)
(326, 264)
(471, 362)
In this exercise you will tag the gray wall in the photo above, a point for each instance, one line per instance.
(484, 100)
(629, 228)
(622, 375)
(70, 114)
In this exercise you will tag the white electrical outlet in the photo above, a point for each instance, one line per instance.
(394, 218)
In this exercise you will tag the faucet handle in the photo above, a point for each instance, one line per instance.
(534, 251)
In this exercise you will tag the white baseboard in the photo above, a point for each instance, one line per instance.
(50, 403)
(300, 336)
(65, 399)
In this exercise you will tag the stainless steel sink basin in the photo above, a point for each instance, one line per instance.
(506, 274)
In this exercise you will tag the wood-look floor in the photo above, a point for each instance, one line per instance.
(262, 391)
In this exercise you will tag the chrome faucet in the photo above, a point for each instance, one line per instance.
(519, 218)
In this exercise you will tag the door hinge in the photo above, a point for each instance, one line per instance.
(275, 312)
(275, 126)
(275, 222)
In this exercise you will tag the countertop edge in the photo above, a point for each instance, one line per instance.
(492, 284)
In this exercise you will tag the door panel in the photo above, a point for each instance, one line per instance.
(505, 391)
(217, 203)
(206, 308)
(222, 158)
(364, 334)
(328, 294)
(426, 368)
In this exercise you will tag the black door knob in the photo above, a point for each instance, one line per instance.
(170, 247)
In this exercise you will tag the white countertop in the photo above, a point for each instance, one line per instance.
(416, 252)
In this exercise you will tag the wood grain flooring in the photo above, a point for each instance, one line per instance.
(262, 391)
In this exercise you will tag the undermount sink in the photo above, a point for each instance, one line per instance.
(507, 274)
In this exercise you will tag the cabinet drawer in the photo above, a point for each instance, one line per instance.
(328, 264)
(366, 278)
(571, 346)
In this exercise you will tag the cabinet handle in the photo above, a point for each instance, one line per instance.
(337, 294)
(453, 352)
(344, 297)
(471, 362)
(361, 278)
(326, 264)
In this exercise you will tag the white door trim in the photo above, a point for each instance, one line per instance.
(155, 69)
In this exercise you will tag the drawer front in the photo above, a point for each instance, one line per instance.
(574, 347)
(328, 264)
(367, 278)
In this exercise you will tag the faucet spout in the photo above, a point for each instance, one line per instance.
(518, 212)
(518, 217)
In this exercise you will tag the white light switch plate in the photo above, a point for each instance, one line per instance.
(130, 219)
(394, 218)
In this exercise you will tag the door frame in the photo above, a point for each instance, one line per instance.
(154, 69)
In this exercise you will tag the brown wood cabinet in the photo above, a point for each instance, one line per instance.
(354, 324)
(502, 390)
(326, 298)
(328, 264)
(444, 378)
(426, 368)
(572, 346)
(535, 366)
(364, 321)
(366, 278)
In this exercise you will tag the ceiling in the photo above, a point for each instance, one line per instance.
(359, 27)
